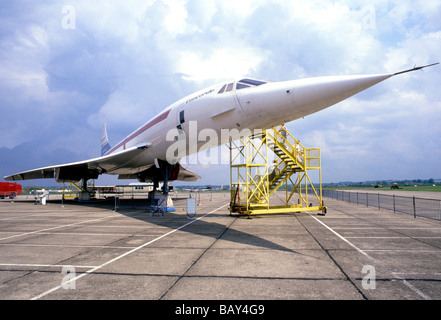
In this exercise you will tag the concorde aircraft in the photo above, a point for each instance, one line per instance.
(234, 105)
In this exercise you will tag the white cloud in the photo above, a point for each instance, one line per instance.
(414, 50)
(175, 21)
(223, 63)
(22, 63)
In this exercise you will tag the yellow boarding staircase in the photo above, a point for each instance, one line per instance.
(73, 189)
(262, 164)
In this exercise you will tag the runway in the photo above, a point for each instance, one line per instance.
(77, 251)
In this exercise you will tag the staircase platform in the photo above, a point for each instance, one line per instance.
(269, 162)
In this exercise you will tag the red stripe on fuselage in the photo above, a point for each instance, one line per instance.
(144, 128)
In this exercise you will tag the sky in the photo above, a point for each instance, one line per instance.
(67, 67)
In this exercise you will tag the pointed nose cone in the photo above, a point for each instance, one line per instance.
(315, 94)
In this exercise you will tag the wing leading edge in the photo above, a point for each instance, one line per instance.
(115, 163)
(119, 163)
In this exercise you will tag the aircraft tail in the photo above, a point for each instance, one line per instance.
(105, 145)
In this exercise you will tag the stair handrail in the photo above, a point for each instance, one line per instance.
(294, 150)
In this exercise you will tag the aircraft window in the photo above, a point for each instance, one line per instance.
(241, 86)
(223, 89)
(252, 82)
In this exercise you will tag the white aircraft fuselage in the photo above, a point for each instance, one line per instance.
(236, 105)
(255, 107)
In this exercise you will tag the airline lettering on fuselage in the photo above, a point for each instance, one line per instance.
(200, 96)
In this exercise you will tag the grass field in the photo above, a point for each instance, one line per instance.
(425, 188)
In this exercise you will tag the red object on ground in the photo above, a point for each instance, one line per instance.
(10, 190)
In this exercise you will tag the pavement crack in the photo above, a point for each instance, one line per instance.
(184, 275)
(334, 261)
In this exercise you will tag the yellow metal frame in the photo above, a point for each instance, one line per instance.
(73, 188)
(257, 178)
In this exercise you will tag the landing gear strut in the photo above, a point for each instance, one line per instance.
(166, 172)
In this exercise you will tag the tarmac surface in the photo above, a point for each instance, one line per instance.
(85, 251)
(436, 195)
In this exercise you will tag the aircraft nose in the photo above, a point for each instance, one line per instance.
(315, 94)
(283, 102)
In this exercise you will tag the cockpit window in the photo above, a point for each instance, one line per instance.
(242, 84)
(252, 82)
(223, 89)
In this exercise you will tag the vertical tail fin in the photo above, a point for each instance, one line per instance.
(105, 145)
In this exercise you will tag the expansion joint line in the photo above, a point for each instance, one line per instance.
(396, 276)
(333, 260)
(93, 270)
(194, 263)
